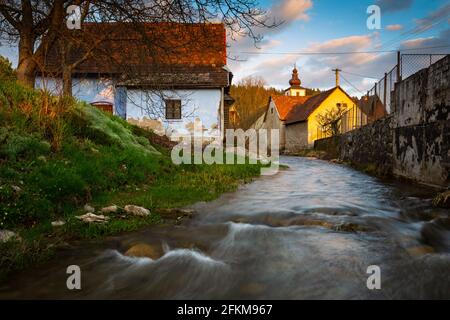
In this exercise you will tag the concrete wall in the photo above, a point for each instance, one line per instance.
(414, 141)
(370, 145)
(273, 122)
(296, 137)
(421, 126)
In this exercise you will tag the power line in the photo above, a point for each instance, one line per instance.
(359, 75)
(352, 85)
(337, 53)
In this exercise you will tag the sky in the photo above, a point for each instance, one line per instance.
(333, 26)
(339, 26)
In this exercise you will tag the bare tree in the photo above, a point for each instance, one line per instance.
(36, 25)
(330, 120)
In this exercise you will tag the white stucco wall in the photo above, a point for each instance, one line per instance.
(203, 104)
(89, 90)
(143, 105)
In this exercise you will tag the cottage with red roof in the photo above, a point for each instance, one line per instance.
(162, 76)
(295, 113)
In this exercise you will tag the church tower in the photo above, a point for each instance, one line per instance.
(295, 88)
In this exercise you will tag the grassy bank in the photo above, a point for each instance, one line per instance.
(58, 154)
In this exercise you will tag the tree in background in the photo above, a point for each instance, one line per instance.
(330, 120)
(251, 97)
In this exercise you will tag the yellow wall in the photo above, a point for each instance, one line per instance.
(293, 92)
(338, 96)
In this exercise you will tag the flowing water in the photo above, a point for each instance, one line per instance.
(310, 231)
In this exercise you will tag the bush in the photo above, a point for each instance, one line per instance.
(14, 146)
(6, 70)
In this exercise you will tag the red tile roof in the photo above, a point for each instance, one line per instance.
(285, 104)
(302, 112)
(124, 49)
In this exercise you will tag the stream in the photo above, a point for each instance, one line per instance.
(309, 232)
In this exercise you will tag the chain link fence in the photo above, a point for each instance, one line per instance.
(376, 103)
(411, 63)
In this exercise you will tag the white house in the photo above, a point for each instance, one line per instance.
(176, 75)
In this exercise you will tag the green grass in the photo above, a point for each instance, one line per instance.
(62, 154)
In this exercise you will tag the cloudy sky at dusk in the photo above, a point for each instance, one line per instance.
(338, 26)
(334, 26)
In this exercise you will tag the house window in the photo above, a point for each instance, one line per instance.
(173, 109)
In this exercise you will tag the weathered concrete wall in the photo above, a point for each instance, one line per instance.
(296, 137)
(370, 145)
(414, 141)
(421, 113)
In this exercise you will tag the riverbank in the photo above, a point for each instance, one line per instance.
(57, 155)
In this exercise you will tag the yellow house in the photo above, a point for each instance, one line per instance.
(301, 125)
(294, 114)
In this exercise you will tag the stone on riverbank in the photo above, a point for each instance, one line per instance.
(110, 209)
(143, 250)
(88, 208)
(90, 217)
(7, 235)
(136, 210)
(58, 223)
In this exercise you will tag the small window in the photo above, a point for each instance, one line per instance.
(173, 109)
(338, 105)
(271, 110)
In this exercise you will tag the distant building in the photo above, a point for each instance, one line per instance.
(295, 113)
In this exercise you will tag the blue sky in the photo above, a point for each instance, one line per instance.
(330, 25)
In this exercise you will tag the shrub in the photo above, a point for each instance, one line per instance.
(14, 146)
(6, 70)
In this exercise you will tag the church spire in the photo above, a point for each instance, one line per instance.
(295, 89)
(295, 81)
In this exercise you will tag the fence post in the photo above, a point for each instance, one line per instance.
(385, 85)
(399, 66)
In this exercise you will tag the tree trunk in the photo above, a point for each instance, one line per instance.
(26, 70)
(67, 82)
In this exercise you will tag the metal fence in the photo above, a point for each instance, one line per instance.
(411, 63)
(377, 102)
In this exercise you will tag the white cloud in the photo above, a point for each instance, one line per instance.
(394, 27)
(291, 10)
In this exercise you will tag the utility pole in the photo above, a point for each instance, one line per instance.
(337, 75)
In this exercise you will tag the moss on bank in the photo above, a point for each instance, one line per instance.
(58, 154)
